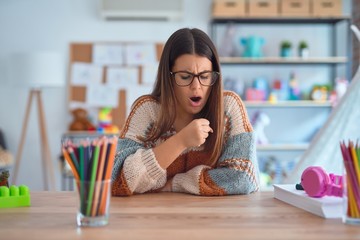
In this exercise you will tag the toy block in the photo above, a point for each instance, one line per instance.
(14, 196)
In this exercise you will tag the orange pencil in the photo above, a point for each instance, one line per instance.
(71, 164)
(108, 170)
(111, 158)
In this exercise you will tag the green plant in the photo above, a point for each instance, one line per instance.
(303, 45)
(286, 44)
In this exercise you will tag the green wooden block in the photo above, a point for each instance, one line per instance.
(14, 196)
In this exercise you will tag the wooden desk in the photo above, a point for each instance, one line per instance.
(172, 216)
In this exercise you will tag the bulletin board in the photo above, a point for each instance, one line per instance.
(83, 53)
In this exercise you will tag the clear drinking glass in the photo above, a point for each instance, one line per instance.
(351, 213)
(91, 161)
(94, 201)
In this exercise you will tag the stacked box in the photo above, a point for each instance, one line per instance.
(326, 8)
(229, 8)
(263, 8)
(295, 8)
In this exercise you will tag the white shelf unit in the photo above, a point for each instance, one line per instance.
(282, 147)
(281, 60)
(303, 113)
(286, 104)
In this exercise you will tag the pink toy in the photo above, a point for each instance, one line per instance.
(317, 183)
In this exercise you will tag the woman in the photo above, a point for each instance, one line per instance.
(188, 135)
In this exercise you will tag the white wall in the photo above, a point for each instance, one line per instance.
(50, 25)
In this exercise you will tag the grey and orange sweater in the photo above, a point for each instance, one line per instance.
(136, 169)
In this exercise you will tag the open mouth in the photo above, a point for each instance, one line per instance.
(195, 99)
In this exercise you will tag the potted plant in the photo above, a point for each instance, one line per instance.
(303, 49)
(285, 48)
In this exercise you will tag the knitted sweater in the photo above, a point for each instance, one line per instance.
(136, 169)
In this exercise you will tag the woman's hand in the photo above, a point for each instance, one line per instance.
(196, 132)
(192, 135)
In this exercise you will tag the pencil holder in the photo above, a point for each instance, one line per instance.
(94, 201)
(351, 183)
(351, 204)
(91, 163)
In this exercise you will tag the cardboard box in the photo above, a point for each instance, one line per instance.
(263, 8)
(326, 8)
(229, 8)
(295, 8)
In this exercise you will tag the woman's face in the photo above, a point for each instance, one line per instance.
(191, 99)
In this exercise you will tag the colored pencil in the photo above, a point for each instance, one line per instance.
(71, 152)
(107, 177)
(91, 164)
(71, 164)
(352, 167)
(100, 171)
(93, 178)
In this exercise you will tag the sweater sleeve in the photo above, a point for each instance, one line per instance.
(237, 170)
(136, 169)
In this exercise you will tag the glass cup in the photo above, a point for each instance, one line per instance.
(91, 163)
(94, 201)
(351, 207)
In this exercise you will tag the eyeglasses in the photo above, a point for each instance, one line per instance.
(183, 78)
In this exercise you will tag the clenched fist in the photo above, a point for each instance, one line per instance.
(195, 133)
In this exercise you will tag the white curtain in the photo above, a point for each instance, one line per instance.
(342, 124)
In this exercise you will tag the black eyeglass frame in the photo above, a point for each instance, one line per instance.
(217, 74)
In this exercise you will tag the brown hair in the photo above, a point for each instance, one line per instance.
(189, 41)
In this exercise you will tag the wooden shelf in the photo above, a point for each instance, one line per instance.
(295, 103)
(283, 20)
(283, 60)
(283, 147)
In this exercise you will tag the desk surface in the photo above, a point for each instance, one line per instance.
(172, 216)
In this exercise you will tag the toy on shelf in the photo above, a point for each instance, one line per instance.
(319, 93)
(227, 48)
(339, 91)
(234, 84)
(81, 121)
(252, 46)
(273, 98)
(279, 91)
(259, 90)
(105, 121)
(14, 196)
(259, 122)
(253, 94)
(6, 158)
(294, 91)
(4, 178)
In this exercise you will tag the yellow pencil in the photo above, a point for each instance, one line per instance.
(355, 161)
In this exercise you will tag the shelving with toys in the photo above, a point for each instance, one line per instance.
(296, 90)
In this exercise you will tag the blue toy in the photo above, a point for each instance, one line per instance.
(252, 46)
